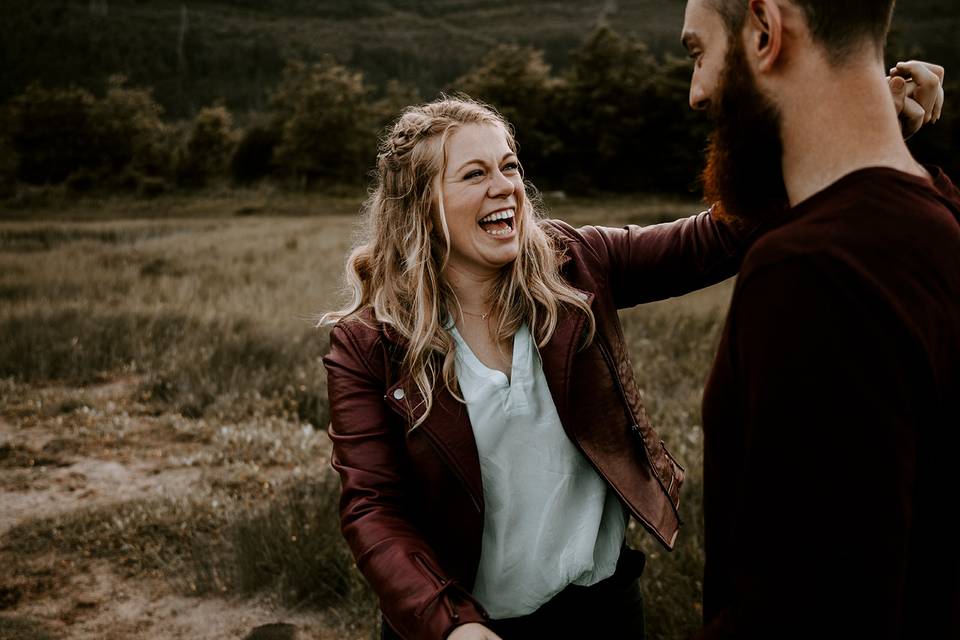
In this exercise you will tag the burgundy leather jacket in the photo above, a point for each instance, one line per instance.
(412, 502)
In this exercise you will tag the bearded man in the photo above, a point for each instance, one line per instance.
(829, 417)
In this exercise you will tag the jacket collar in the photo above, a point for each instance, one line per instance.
(448, 425)
(556, 356)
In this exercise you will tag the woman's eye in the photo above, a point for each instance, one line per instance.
(511, 166)
(473, 174)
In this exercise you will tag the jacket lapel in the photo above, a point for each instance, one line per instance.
(557, 356)
(447, 428)
(448, 425)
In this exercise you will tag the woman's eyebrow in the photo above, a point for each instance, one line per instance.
(482, 162)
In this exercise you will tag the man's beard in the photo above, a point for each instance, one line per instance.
(743, 177)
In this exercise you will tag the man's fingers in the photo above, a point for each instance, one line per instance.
(912, 68)
(911, 117)
(898, 89)
(924, 86)
(938, 107)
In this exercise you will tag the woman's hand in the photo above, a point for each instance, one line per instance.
(917, 89)
(472, 631)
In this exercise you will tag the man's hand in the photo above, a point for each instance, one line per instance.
(472, 631)
(917, 89)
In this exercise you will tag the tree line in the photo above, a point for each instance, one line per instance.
(615, 119)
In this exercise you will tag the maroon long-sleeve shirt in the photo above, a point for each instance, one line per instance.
(832, 454)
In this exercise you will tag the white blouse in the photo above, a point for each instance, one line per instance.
(550, 519)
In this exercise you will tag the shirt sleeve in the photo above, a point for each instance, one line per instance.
(822, 505)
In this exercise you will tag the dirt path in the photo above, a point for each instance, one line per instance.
(98, 606)
(101, 448)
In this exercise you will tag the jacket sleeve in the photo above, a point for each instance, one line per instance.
(660, 261)
(416, 597)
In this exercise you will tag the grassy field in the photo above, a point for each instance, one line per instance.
(163, 463)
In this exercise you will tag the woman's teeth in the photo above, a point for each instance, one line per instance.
(499, 223)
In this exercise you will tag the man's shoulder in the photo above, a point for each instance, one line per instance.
(874, 215)
(786, 244)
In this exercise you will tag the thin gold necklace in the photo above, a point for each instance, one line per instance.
(482, 316)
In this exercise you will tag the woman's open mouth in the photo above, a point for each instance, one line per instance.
(498, 223)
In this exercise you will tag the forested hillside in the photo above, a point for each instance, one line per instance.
(151, 96)
(193, 53)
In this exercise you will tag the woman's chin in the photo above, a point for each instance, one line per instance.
(485, 259)
(505, 254)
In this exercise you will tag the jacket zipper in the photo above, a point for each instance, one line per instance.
(608, 358)
(634, 427)
(440, 582)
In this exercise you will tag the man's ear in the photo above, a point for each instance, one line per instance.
(764, 35)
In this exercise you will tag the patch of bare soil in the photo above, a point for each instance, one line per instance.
(95, 605)
(62, 450)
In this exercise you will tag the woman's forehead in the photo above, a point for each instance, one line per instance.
(483, 142)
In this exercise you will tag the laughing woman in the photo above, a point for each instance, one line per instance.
(486, 424)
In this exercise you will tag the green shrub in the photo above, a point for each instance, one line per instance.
(56, 133)
(208, 147)
(129, 135)
(328, 128)
(253, 158)
(51, 133)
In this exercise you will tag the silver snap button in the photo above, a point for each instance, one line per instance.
(398, 394)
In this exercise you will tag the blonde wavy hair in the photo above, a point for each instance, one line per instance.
(397, 267)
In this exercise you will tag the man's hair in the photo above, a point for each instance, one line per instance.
(840, 26)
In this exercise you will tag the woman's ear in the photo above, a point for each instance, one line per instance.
(764, 36)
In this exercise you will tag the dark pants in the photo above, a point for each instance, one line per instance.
(612, 608)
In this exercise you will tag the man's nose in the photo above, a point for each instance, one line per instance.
(699, 101)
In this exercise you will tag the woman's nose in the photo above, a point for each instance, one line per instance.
(500, 185)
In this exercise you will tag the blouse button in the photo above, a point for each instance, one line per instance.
(398, 394)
